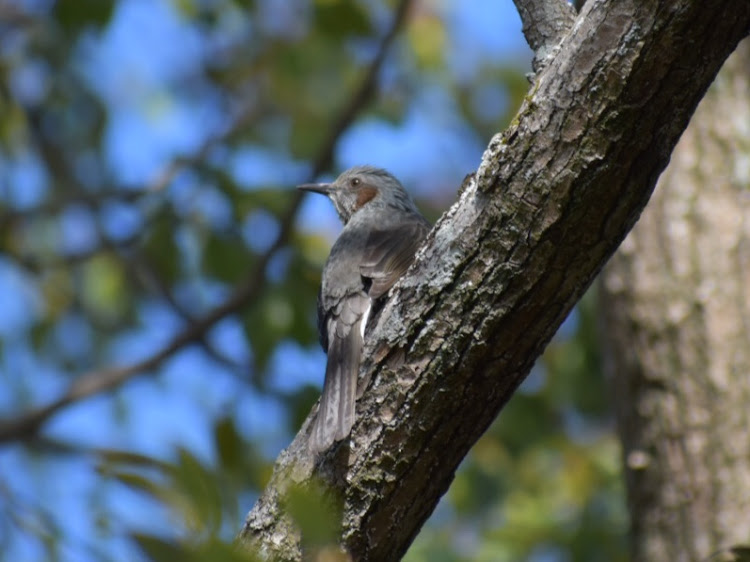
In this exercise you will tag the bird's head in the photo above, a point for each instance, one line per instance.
(361, 186)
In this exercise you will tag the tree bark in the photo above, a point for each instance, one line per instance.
(553, 198)
(545, 25)
(677, 314)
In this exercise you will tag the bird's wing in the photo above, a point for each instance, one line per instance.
(386, 256)
(390, 252)
(336, 413)
(322, 321)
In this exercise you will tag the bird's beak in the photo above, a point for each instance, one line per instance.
(324, 188)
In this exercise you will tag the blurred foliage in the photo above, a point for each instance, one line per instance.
(202, 499)
(118, 229)
(544, 482)
(319, 527)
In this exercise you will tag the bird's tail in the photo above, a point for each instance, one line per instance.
(336, 413)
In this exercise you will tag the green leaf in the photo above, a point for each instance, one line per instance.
(247, 5)
(427, 36)
(214, 550)
(197, 493)
(138, 482)
(316, 512)
(76, 14)
(161, 550)
(161, 249)
(229, 444)
(301, 287)
(340, 18)
(105, 289)
(211, 550)
(225, 259)
(120, 458)
(267, 323)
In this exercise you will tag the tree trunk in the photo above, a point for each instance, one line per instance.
(553, 198)
(677, 312)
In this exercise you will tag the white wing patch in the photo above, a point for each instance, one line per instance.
(365, 317)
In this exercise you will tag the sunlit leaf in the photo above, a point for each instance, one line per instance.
(120, 458)
(105, 287)
(316, 512)
(427, 37)
(137, 482)
(199, 499)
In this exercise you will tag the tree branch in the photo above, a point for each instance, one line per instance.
(29, 423)
(545, 23)
(553, 198)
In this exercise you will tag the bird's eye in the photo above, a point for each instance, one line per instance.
(354, 182)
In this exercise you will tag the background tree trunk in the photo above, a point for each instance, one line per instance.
(677, 312)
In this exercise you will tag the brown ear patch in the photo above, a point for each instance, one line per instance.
(365, 195)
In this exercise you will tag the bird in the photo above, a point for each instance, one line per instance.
(383, 229)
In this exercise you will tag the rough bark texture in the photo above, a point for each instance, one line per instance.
(545, 24)
(677, 299)
(553, 198)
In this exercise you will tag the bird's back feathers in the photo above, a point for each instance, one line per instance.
(389, 253)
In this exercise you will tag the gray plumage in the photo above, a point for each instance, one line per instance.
(382, 232)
